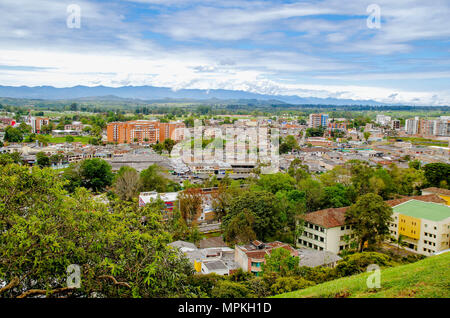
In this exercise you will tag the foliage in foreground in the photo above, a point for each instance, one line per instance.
(121, 250)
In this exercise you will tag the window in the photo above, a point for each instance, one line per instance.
(342, 228)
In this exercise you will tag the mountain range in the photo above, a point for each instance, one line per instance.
(161, 93)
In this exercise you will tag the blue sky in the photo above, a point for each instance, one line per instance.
(306, 48)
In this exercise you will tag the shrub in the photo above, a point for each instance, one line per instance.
(288, 284)
(227, 289)
(358, 263)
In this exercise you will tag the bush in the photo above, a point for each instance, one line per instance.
(288, 284)
(318, 274)
(227, 289)
(259, 287)
(205, 282)
(358, 263)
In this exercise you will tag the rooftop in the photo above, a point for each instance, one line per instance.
(313, 258)
(437, 191)
(334, 217)
(424, 210)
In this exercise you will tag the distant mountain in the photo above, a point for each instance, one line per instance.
(161, 93)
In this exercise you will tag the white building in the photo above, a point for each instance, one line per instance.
(412, 126)
(383, 120)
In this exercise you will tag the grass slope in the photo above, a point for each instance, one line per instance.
(429, 278)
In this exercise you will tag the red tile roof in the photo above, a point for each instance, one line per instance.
(437, 191)
(334, 217)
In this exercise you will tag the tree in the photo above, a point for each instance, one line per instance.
(314, 192)
(276, 182)
(367, 135)
(42, 140)
(158, 148)
(42, 160)
(13, 134)
(336, 196)
(69, 139)
(168, 145)
(280, 261)
(74, 107)
(315, 132)
(415, 164)
(369, 217)
(57, 158)
(46, 129)
(288, 144)
(43, 231)
(152, 179)
(127, 183)
(26, 129)
(96, 174)
(240, 228)
(190, 201)
(263, 206)
(437, 173)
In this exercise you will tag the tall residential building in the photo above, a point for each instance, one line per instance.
(395, 124)
(441, 127)
(144, 131)
(412, 126)
(318, 120)
(36, 123)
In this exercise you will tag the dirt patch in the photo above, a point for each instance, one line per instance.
(342, 294)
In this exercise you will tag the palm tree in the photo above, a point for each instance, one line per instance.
(400, 242)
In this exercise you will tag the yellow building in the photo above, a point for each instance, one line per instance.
(425, 226)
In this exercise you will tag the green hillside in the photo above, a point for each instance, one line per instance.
(429, 278)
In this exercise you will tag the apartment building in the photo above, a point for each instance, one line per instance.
(412, 126)
(318, 120)
(395, 124)
(428, 127)
(36, 123)
(144, 131)
(326, 230)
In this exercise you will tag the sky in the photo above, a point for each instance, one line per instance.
(328, 48)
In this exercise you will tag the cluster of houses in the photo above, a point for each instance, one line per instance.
(213, 256)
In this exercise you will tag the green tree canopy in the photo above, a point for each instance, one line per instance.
(369, 217)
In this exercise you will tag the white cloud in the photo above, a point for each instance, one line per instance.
(259, 44)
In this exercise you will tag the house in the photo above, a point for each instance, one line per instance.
(327, 230)
(205, 212)
(250, 257)
(218, 260)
